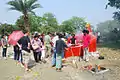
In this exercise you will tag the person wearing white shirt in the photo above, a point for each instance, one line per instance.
(55, 38)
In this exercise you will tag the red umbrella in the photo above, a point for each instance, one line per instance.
(14, 37)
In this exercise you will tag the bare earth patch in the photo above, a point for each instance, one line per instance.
(11, 71)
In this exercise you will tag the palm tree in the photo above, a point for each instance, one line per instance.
(25, 7)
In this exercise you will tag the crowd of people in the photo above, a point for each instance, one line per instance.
(51, 45)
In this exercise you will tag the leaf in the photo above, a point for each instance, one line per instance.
(14, 4)
(35, 6)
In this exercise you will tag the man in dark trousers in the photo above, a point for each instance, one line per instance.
(24, 44)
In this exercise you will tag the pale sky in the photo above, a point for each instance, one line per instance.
(92, 10)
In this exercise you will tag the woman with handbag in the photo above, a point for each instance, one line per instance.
(36, 45)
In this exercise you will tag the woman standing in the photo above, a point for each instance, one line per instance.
(4, 46)
(36, 45)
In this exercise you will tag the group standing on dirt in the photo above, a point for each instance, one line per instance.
(51, 45)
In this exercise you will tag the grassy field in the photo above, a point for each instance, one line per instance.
(112, 45)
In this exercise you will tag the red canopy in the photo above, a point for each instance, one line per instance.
(14, 37)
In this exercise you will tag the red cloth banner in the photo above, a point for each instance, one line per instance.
(92, 46)
(74, 51)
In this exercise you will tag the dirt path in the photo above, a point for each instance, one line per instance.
(11, 71)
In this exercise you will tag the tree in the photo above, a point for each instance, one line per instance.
(25, 7)
(67, 26)
(108, 30)
(34, 21)
(78, 23)
(50, 19)
(73, 24)
(7, 28)
(41, 24)
(49, 23)
(115, 4)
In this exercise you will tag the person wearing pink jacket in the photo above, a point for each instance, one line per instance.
(86, 42)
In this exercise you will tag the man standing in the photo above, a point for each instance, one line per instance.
(24, 44)
(60, 46)
(55, 38)
(86, 42)
(47, 44)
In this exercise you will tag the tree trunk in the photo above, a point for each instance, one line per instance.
(26, 22)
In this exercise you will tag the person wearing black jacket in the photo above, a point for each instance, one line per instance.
(24, 44)
(60, 46)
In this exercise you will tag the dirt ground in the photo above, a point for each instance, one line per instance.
(9, 70)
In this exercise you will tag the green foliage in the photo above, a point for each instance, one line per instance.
(115, 4)
(20, 23)
(107, 30)
(23, 6)
(43, 24)
(49, 23)
(112, 45)
(67, 26)
(34, 21)
(50, 19)
(73, 24)
(78, 23)
(7, 28)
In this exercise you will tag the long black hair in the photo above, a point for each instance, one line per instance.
(2, 36)
(85, 31)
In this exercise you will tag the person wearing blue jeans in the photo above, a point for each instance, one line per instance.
(63, 55)
(55, 38)
(54, 57)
